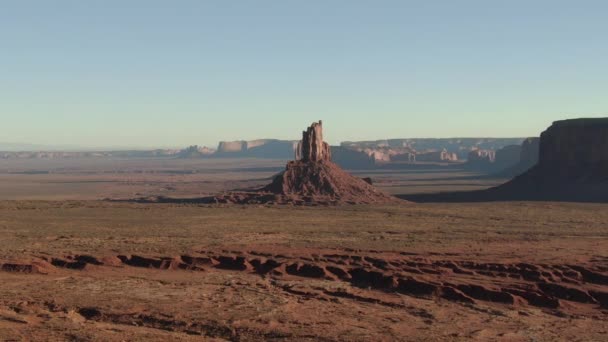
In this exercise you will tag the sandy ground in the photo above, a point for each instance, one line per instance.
(99, 178)
(101, 271)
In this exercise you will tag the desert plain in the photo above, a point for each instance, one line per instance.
(79, 261)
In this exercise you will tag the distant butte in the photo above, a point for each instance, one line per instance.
(313, 179)
(572, 166)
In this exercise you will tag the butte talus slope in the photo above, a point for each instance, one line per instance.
(313, 179)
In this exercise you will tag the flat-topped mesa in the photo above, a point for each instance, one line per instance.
(312, 148)
(575, 144)
(572, 164)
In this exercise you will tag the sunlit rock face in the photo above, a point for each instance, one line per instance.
(312, 147)
(314, 179)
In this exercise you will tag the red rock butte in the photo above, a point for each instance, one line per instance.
(313, 179)
(572, 164)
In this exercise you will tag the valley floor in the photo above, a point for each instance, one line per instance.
(106, 271)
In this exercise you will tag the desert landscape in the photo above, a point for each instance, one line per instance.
(334, 171)
(104, 249)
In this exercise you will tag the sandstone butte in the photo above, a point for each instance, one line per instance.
(313, 179)
(572, 164)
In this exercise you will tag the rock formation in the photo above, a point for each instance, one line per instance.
(507, 156)
(195, 151)
(261, 148)
(313, 179)
(530, 150)
(575, 144)
(351, 159)
(572, 164)
(312, 148)
(528, 157)
(480, 160)
(407, 157)
(438, 156)
(481, 156)
(231, 146)
(460, 146)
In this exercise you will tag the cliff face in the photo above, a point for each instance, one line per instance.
(351, 159)
(459, 146)
(575, 143)
(529, 152)
(312, 147)
(314, 178)
(494, 161)
(436, 156)
(507, 156)
(528, 157)
(262, 148)
(572, 164)
(483, 156)
(231, 146)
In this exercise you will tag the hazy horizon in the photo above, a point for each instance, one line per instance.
(8, 146)
(146, 74)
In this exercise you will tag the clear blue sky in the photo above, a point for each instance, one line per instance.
(172, 73)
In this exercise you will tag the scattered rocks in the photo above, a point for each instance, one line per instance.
(551, 288)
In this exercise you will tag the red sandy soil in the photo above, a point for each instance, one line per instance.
(91, 271)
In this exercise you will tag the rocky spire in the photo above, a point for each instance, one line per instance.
(312, 148)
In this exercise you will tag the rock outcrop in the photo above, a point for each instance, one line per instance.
(530, 150)
(406, 157)
(195, 151)
(439, 156)
(480, 160)
(460, 146)
(313, 179)
(231, 146)
(312, 148)
(492, 162)
(507, 156)
(351, 159)
(481, 156)
(572, 164)
(261, 148)
(528, 157)
(575, 144)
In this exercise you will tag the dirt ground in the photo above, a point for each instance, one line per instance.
(104, 271)
(99, 178)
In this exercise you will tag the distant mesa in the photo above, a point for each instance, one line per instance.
(363, 155)
(504, 162)
(507, 156)
(481, 156)
(528, 157)
(572, 165)
(313, 179)
(195, 151)
(436, 156)
(261, 148)
(481, 160)
(455, 148)
(352, 159)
